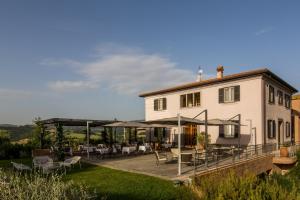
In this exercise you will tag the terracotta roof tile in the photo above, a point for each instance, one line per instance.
(265, 72)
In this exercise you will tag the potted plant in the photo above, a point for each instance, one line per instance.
(201, 140)
(284, 150)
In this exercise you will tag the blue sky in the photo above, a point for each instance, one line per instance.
(90, 59)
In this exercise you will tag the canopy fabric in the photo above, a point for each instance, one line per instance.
(174, 121)
(186, 120)
(128, 124)
(218, 122)
(75, 122)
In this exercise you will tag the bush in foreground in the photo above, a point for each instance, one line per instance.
(14, 186)
(250, 187)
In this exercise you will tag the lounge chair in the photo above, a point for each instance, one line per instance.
(20, 166)
(160, 157)
(71, 162)
(42, 161)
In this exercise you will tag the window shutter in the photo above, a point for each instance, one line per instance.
(269, 128)
(236, 131)
(221, 95)
(274, 129)
(221, 131)
(237, 93)
(164, 103)
(155, 104)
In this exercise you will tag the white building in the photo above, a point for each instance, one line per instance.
(260, 97)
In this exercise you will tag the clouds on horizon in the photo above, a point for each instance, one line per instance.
(124, 70)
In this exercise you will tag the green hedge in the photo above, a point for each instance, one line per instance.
(13, 151)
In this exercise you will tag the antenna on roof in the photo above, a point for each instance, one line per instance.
(200, 74)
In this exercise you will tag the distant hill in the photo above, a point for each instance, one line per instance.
(8, 125)
(17, 132)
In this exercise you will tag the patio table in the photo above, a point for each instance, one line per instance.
(166, 145)
(128, 150)
(103, 150)
(90, 149)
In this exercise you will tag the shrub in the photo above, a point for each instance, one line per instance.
(13, 151)
(247, 187)
(14, 186)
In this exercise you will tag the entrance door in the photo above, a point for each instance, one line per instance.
(190, 135)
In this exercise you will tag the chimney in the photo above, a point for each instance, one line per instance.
(220, 70)
(200, 74)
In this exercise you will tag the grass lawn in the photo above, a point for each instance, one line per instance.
(115, 184)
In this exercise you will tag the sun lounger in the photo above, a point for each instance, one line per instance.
(20, 166)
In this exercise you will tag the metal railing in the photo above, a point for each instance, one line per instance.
(217, 156)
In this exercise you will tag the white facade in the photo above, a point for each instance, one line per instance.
(253, 106)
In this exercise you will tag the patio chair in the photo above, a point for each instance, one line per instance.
(160, 157)
(20, 166)
(175, 153)
(71, 162)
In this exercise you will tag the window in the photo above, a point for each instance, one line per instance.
(287, 101)
(288, 129)
(229, 94)
(160, 104)
(197, 99)
(190, 100)
(271, 129)
(280, 97)
(229, 131)
(271, 94)
(183, 101)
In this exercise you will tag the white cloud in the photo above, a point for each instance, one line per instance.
(56, 62)
(126, 71)
(62, 86)
(263, 31)
(14, 94)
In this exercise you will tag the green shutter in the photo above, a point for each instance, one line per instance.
(236, 131)
(221, 131)
(164, 103)
(237, 93)
(270, 124)
(274, 129)
(221, 95)
(155, 104)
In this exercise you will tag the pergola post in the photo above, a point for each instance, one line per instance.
(206, 139)
(206, 133)
(88, 138)
(239, 135)
(115, 135)
(179, 145)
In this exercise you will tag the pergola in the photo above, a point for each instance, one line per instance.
(181, 120)
(59, 123)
